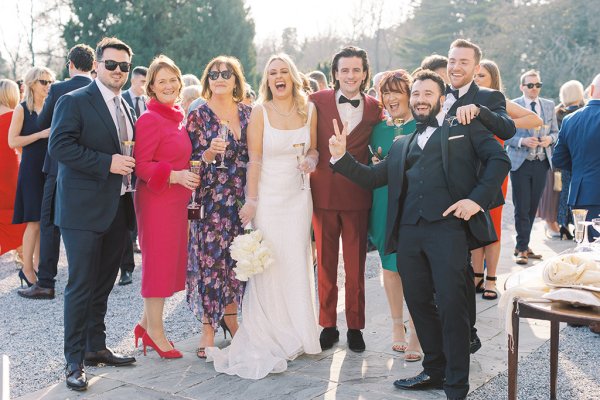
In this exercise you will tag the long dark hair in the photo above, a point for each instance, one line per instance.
(349, 52)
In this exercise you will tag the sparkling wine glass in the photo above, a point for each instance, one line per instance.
(579, 216)
(195, 169)
(398, 122)
(300, 156)
(127, 150)
(223, 134)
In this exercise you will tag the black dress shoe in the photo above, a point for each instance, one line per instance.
(420, 382)
(107, 357)
(328, 337)
(475, 344)
(36, 292)
(126, 278)
(355, 340)
(76, 379)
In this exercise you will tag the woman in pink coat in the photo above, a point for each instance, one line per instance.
(164, 187)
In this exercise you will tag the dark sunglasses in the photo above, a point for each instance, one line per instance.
(214, 75)
(112, 65)
(44, 82)
(532, 85)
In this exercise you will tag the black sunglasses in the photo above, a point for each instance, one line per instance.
(112, 65)
(44, 82)
(214, 75)
(532, 85)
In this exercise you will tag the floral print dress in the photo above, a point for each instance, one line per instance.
(211, 283)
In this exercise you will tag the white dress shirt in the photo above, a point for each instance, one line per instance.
(423, 137)
(348, 113)
(450, 99)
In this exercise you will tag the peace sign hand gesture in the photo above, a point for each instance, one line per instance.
(337, 142)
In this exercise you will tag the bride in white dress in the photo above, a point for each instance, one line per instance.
(279, 317)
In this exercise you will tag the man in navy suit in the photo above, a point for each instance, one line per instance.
(81, 60)
(92, 209)
(578, 150)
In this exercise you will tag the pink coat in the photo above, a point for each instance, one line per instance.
(162, 145)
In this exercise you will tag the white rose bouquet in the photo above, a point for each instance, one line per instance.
(251, 253)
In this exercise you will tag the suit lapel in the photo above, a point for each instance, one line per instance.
(467, 98)
(98, 103)
(444, 134)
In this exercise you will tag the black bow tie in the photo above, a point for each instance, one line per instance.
(354, 103)
(431, 122)
(453, 91)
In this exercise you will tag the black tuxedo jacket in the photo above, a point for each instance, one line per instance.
(83, 139)
(465, 148)
(492, 110)
(127, 97)
(45, 117)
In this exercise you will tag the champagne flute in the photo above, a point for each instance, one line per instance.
(223, 134)
(399, 130)
(596, 226)
(579, 216)
(195, 169)
(127, 150)
(300, 156)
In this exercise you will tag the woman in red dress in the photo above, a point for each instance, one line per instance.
(164, 187)
(11, 236)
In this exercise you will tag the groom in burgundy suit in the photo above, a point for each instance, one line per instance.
(341, 208)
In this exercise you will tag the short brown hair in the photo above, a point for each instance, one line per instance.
(111, 43)
(434, 61)
(531, 72)
(233, 65)
(430, 75)
(463, 43)
(349, 52)
(82, 57)
(157, 64)
(395, 81)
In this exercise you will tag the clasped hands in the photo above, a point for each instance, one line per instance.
(533, 142)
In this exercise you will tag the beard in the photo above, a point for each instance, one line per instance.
(430, 116)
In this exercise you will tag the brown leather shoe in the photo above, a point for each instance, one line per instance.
(36, 292)
(521, 258)
(532, 255)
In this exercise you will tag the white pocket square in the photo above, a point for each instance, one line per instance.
(456, 137)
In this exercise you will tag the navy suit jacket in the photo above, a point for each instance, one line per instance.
(45, 117)
(83, 140)
(578, 150)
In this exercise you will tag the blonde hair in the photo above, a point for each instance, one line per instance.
(298, 94)
(571, 92)
(31, 78)
(233, 65)
(157, 64)
(9, 93)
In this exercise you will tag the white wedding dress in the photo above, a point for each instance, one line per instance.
(279, 318)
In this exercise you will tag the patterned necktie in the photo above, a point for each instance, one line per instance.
(532, 105)
(121, 124)
(137, 107)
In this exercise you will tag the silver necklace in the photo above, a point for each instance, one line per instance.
(283, 114)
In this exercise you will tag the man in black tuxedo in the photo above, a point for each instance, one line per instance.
(135, 96)
(91, 208)
(441, 181)
(467, 102)
(81, 61)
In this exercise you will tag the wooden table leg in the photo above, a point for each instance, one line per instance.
(513, 355)
(554, 333)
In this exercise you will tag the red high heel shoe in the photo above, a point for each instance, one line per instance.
(147, 341)
(138, 332)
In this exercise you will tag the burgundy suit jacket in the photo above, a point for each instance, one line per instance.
(332, 191)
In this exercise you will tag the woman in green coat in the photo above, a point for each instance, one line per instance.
(394, 93)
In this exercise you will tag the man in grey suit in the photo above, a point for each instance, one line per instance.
(530, 153)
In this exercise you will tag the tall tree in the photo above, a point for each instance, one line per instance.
(191, 32)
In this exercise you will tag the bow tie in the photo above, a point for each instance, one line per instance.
(421, 126)
(354, 103)
(453, 91)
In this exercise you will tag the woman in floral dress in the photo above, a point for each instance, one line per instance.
(213, 292)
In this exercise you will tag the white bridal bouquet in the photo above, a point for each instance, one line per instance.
(251, 254)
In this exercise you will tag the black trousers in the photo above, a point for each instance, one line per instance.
(128, 263)
(433, 256)
(528, 183)
(94, 260)
(471, 294)
(49, 237)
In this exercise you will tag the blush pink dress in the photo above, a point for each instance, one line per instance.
(162, 145)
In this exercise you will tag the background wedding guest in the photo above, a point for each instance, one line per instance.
(164, 187)
(571, 100)
(577, 151)
(188, 95)
(11, 235)
(190, 80)
(320, 78)
(21, 84)
(80, 61)
(250, 97)
(213, 292)
(394, 93)
(437, 64)
(489, 77)
(530, 155)
(24, 132)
